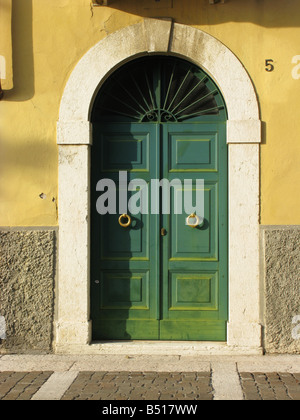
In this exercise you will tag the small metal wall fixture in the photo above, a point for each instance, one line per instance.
(100, 2)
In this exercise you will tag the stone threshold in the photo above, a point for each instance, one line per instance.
(184, 348)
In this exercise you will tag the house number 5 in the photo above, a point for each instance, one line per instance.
(269, 65)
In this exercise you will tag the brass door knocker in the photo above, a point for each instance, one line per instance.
(193, 221)
(125, 217)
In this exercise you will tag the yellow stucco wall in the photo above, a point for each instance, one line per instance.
(49, 37)
(5, 44)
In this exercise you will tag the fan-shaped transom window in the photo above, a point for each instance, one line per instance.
(159, 89)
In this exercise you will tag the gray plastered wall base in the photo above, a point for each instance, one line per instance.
(27, 278)
(27, 273)
(282, 288)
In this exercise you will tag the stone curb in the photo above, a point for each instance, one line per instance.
(232, 378)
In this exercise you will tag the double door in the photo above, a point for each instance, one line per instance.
(154, 275)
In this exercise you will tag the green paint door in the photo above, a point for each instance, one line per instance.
(159, 278)
(125, 260)
(194, 260)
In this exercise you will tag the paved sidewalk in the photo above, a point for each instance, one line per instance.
(149, 378)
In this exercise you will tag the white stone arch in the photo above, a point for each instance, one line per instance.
(73, 325)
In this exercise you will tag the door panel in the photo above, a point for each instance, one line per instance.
(194, 283)
(118, 244)
(196, 244)
(125, 152)
(193, 291)
(121, 290)
(125, 261)
(193, 331)
(191, 152)
(149, 286)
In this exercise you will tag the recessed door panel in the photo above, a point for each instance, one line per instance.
(190, 152)
(125, 151)
(124, 290)
(193, 291)
(119, 244)
(197, 244)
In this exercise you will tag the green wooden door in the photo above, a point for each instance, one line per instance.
(125, 261)
(194, 260)
(159, 118)
(149, 286)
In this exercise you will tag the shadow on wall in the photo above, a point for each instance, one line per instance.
(32, 158)
(267, 13)
(22, 45)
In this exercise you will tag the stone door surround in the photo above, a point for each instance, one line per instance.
(74, 138)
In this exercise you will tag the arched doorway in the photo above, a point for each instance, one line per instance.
(73, 323)
(161, 273)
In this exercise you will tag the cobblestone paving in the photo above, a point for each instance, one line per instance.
(140, 386)
(270, 386)
(21, 385)
(150, 386)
